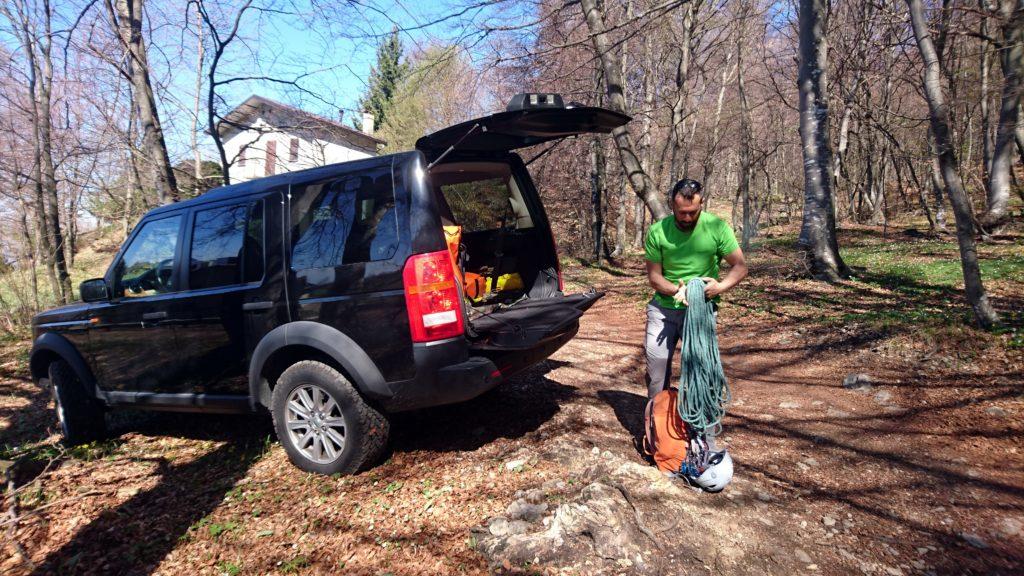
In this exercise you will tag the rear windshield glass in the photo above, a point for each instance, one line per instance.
(480, 196)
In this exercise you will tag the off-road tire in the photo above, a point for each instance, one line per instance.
(366, 429)
(79, 415)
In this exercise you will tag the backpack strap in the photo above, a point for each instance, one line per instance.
(650, 436)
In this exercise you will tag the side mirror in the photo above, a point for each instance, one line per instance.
(94, 290)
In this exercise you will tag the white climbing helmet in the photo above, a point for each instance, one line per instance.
(717, 474)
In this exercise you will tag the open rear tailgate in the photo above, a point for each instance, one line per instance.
(530, 324)
(515, 129)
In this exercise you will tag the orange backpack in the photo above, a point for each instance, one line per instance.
(453, 237)
(474, 285)
(665, 437)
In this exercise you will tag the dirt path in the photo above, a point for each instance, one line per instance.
(919, 472)
(922, 472)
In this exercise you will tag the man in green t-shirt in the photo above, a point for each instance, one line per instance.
(689, 244)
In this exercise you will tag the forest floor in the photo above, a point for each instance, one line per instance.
(921, 471)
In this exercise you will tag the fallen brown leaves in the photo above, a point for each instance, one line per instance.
(914, 474)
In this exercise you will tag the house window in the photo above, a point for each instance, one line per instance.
(293, 150)
(241, 157)
(271, 164)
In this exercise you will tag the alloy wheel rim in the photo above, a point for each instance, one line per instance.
(315, 424)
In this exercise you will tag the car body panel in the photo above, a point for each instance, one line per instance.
(209, 348)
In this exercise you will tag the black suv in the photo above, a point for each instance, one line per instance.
(330, 296)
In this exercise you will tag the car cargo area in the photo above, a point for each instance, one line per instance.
(504, 254)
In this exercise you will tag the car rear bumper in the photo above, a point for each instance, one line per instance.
(445, 374)
(456, 370)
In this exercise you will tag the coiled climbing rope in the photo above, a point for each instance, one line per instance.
(703, 386)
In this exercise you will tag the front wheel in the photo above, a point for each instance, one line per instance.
(80, 416)
(323, 423)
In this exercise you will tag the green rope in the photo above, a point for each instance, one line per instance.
(702, 385)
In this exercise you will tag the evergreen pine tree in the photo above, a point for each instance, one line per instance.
(384, 79)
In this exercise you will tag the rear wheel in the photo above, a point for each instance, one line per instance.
(323, 423)
(80, 416)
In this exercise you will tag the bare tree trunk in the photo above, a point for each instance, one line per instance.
(30, 252)
(623, 189)
(679, 105)
(197, 157)
(935, 175)
(744, 176)
(639, 216)
(53, 227)
(220, 40)
(919, 186)
(647, 148)
(71, 228)
(126, 19)
(134, 193)
(864, 35)
(44, 246)
(844, 142)
(620, 222)
(818, 231)
(998, 185)
(641, 182)
(40, 84)
(986, 129)
(712, 156)
(46, 241)
(1019, 136)
(939, 120)
(596, 193)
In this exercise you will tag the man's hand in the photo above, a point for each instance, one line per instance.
(737, 271)
(680, 295)
(712, 287)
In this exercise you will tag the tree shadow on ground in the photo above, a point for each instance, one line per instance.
(236, 428)
(513, 409)
(135, 536)
(920, 475)
(28, 423)
(629, 410)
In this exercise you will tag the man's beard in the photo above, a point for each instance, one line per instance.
(687, 225)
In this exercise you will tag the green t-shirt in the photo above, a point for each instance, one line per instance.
(688, 255)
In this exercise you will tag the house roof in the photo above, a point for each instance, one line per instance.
(289, 118)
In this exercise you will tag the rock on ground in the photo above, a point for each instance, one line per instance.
(617, 516)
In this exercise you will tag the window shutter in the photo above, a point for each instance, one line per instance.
(293, 150)
(271, 164)
(241, 157)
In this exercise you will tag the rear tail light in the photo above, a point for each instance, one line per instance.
(558, 262)
(432, 297)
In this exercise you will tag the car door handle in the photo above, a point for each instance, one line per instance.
(150, 316)
(253, 306)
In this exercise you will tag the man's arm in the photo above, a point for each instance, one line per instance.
(658, 280)
(737, 271)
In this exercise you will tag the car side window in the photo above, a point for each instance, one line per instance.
(344, 221)
(147, 266)
(215, 258)
(252, 268)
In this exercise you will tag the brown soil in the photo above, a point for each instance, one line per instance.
(921, 473)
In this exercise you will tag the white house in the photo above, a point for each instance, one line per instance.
(262, 137)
